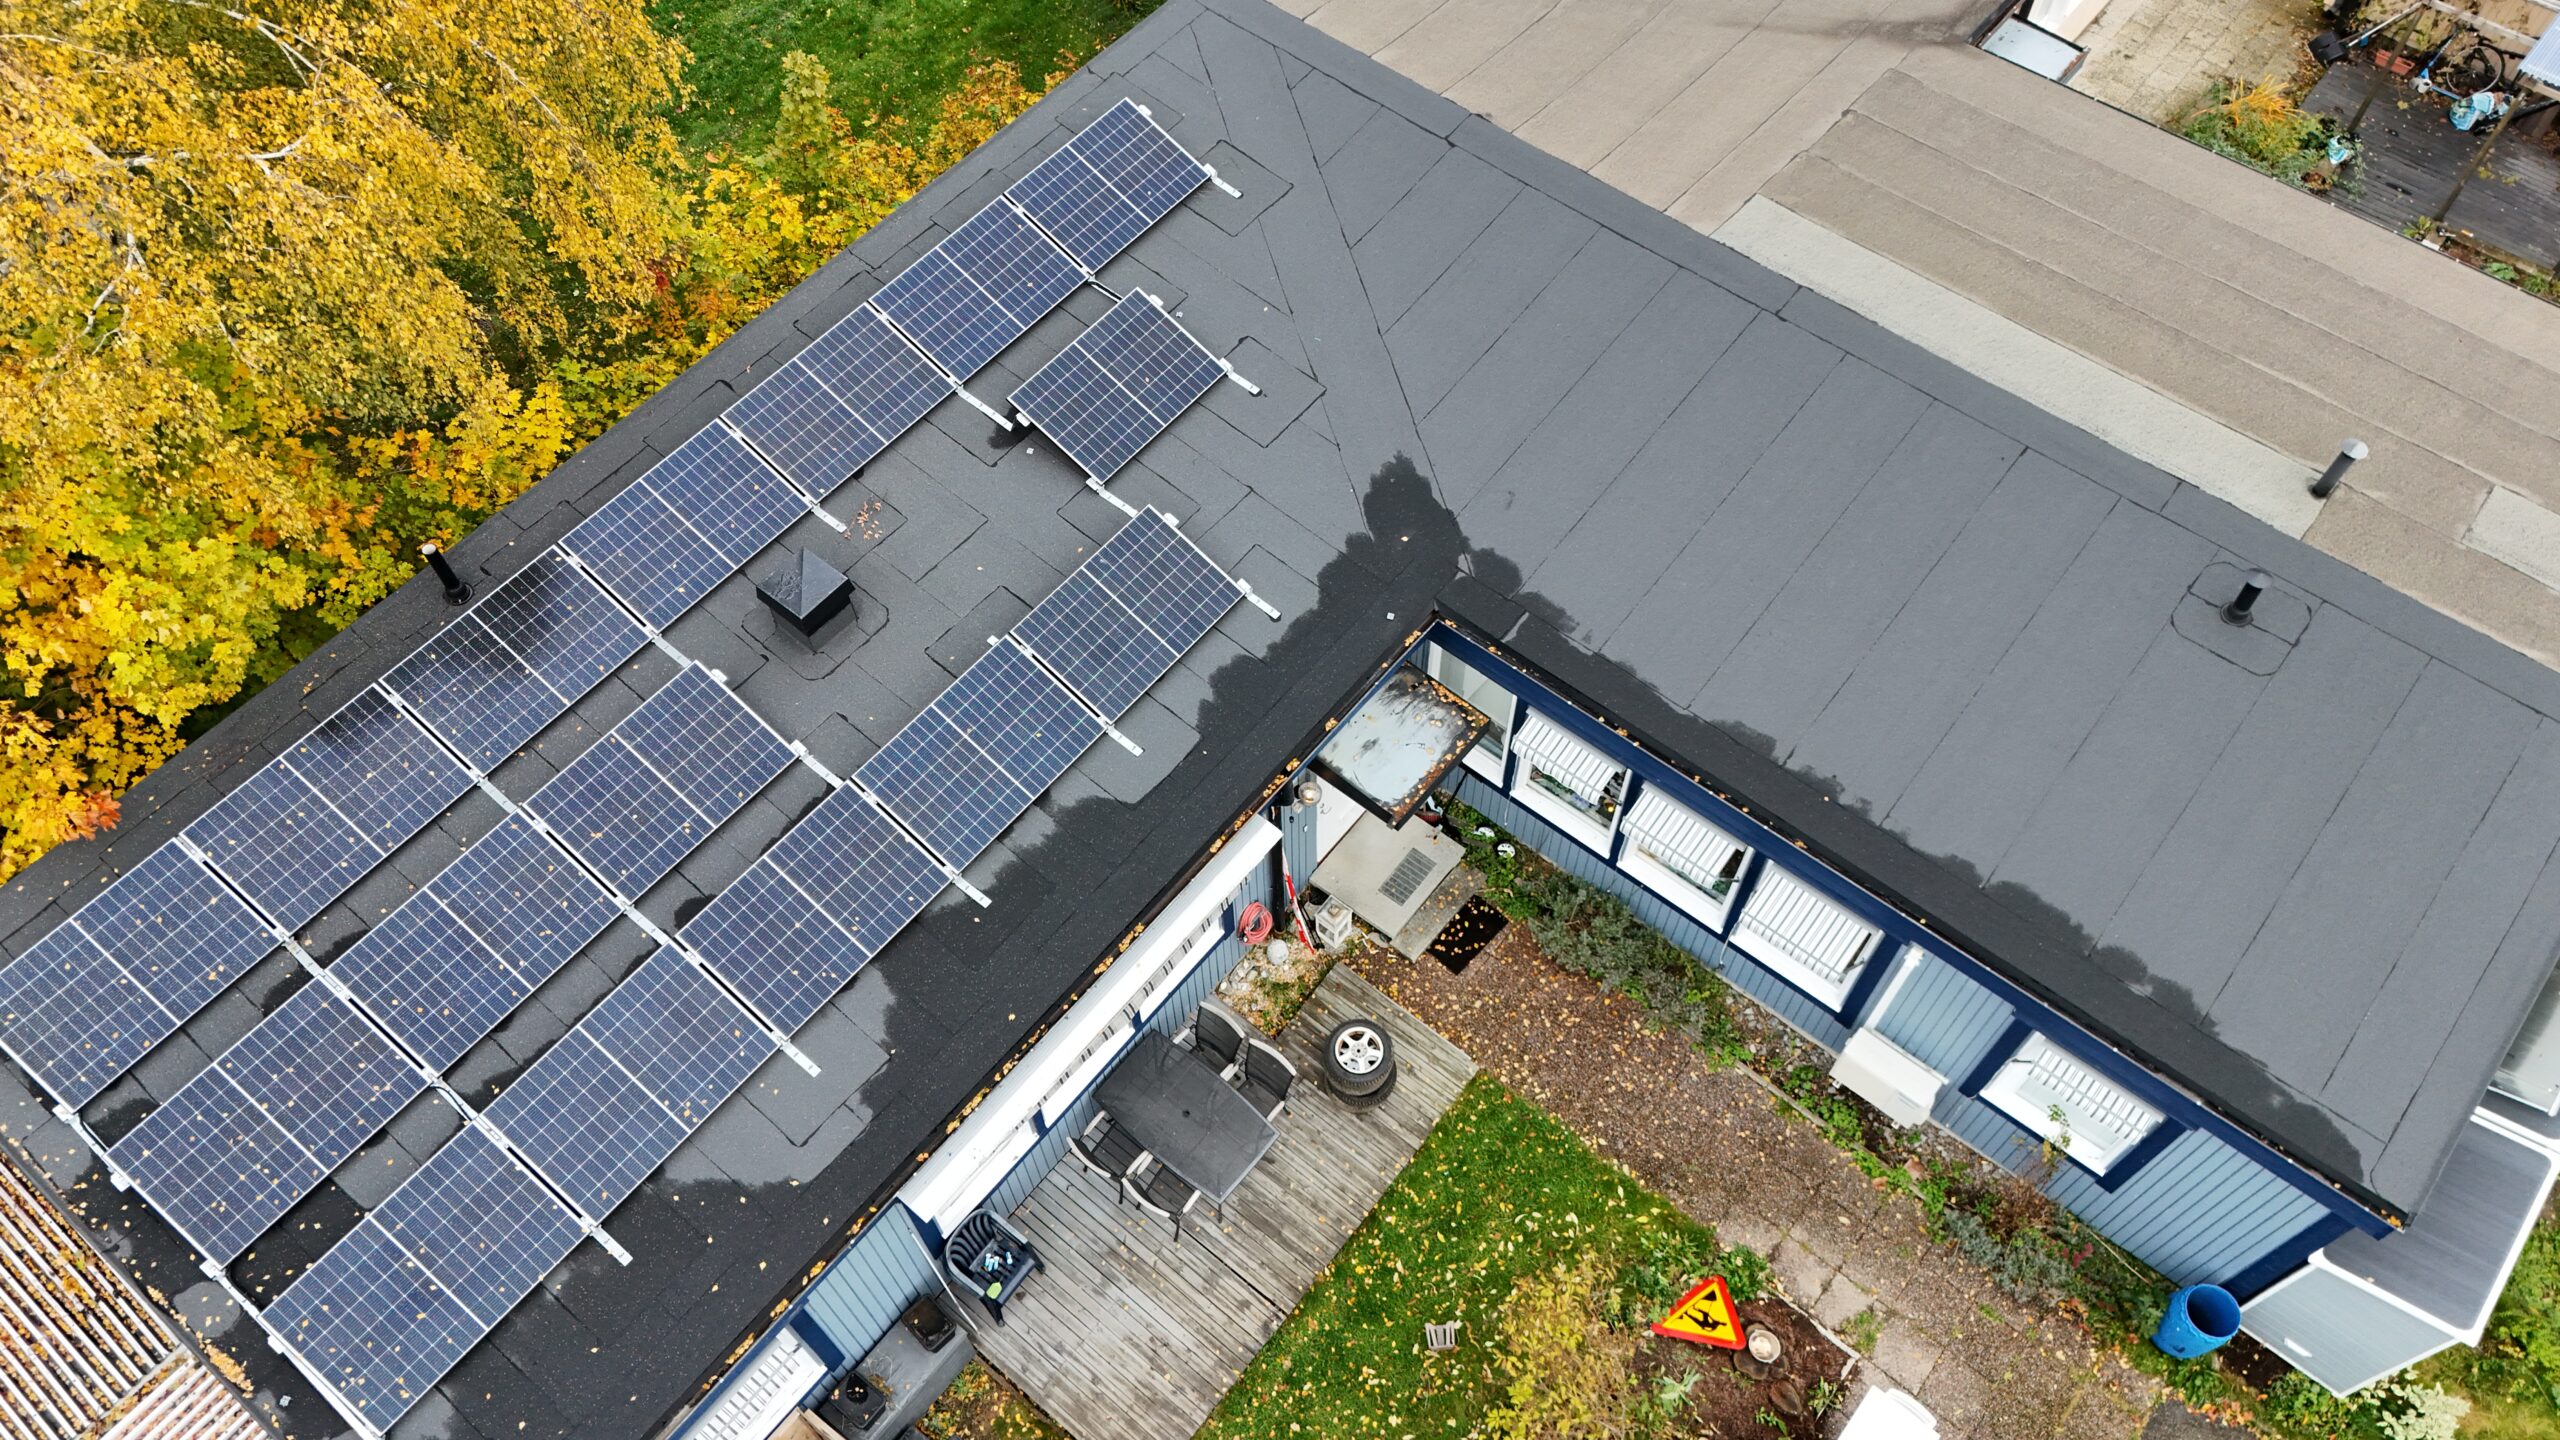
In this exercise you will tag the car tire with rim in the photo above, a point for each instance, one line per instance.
(1359, 1057)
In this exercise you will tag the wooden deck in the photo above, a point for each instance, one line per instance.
(1131, 1336)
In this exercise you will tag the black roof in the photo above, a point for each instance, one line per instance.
(1961, 649)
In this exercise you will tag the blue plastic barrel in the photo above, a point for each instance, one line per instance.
(2201, 1319)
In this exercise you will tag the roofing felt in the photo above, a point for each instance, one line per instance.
(1961, 649)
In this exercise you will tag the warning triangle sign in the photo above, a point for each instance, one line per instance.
(1704, 1316)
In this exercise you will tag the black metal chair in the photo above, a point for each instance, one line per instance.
(1163, 1194)
(1107, 1150)
(1264, 1077)
(1219, 1038)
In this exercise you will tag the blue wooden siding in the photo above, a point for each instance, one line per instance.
(1670, 921)
(2200, 1210)
(871, 1284)
(1298, 842)
(1945, 1020)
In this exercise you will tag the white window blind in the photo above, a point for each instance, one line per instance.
(1672, 836)
(1804, 934)
(1568, 762)
(2041, 1083)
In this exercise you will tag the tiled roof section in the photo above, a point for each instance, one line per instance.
(186, 1402)
(74, 1341)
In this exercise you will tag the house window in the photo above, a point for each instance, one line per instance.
(2090, 1118)
(1809, 939)
(1499, 706)
(1568, 782)
(1680, 857)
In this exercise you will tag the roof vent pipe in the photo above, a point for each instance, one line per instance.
(455, 591)
(2348, 455)
(2237, 612)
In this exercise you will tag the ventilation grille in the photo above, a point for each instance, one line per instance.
(1407, 877)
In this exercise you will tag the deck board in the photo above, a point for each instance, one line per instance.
(1131, 1335)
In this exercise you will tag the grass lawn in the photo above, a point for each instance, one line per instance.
(1497, 1190)
(888, 57)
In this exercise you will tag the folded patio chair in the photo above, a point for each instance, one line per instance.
(1264, 1077)
(1107, 1150)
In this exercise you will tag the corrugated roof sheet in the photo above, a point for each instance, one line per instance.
(80, 1351)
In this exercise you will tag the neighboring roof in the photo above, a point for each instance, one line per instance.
(2453, 1259)
(80, 1350)
(1777, 543)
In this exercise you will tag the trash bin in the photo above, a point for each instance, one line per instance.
(2201, 1319)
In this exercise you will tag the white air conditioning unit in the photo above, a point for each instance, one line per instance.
(1888, 1077)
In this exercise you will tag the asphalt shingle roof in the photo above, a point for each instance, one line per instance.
(1965, 652)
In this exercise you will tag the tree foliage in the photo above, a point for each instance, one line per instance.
(287, 289)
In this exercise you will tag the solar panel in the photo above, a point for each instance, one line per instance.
(218, 1166)
(619, 816)
(976, 292)
(475, 693)
(1096, 644)
(322, 1073)
(867, 876)
(175, 928)
(586, 1123)
(1153, 568)
(556, 620)
(484, 1227)
(376, 1326)
(73, 1018)
(778, 949)
(432, 981)
(1011, 709)
(797, 422)
(379, 769)
(1118, 385)
(980, 754)
(878, 376)
(522, 897)
(286, 848)
(704, 740)
(656, 562)
(944, 788)
(687, 1043)
(726, 494)
(1102, 189)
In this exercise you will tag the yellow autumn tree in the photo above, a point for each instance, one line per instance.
(234, 240)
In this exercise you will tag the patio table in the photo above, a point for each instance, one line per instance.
(1184, 1112)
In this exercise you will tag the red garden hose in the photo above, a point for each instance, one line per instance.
(1255, 923)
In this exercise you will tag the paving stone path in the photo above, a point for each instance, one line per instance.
(1723, 1146)
(2160, 58)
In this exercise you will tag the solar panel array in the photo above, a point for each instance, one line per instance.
(1101, 190)
(389, 1309)
(444, 968)
(1118, 385)
(1118, 624)
(386, 1312)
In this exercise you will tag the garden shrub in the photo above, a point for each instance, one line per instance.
(2261, 127)
(1565, 1367)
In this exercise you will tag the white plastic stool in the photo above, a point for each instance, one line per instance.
(1890, 1415)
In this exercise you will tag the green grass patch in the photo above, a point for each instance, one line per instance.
(888, 57)
(1498, 1190)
